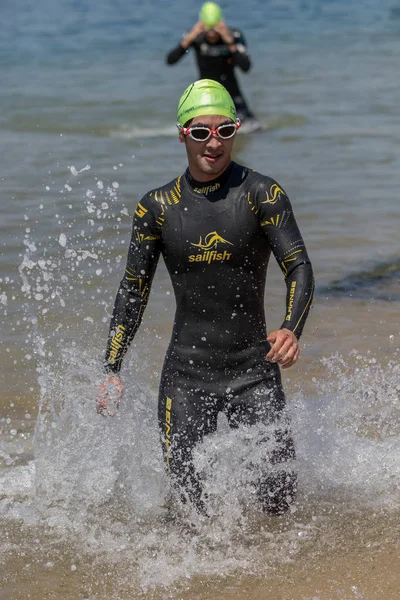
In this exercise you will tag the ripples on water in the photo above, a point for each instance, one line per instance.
(379, 282)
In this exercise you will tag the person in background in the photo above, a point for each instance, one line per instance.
(219, 50)
(216, 226)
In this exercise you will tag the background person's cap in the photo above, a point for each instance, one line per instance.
(210, 14)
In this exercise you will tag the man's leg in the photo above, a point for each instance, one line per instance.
(185, 417)
(262, 400)
(242, 110)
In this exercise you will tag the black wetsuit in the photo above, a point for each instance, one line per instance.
(216, 239)
(217, 62)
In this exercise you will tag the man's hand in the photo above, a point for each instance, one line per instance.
(225, 33)
(196, 30)
(109, 396)
(285, 348)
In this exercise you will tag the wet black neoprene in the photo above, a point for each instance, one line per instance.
(216, 239)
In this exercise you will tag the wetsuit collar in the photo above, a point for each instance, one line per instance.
(208, 187)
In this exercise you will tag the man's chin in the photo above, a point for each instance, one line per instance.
(213, 165)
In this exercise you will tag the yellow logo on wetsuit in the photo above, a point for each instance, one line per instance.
(291, 300)
(210, 245)
(140, 211)
(168, 406)
(116, 344)
(274, 194)
(207, 189)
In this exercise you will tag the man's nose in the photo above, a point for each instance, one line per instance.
(214, 139)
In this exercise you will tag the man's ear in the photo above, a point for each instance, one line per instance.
(181, 138)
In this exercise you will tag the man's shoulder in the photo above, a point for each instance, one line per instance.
(259, 179)
(167, 194)
(238, 35)
(265, 188)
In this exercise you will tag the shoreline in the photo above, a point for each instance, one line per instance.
(352, 557)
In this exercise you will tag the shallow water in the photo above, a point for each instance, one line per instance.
(84, 509)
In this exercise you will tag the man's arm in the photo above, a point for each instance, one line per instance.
(130, 302)
(175, 54)
(187, 40)
(235, 41)
(279, 224)
(134, 289)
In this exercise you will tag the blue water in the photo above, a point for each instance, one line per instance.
(87, 114)
(67, 61)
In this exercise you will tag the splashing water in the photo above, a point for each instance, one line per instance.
(352, 445)
(99, 483)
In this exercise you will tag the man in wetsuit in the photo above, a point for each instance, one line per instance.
(218, 51)
(216, 226)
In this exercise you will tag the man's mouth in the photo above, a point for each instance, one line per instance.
(212, 157)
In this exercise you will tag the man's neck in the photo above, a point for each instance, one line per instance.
(204, 179)
(210, 185)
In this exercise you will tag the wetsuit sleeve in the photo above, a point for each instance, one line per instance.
(240, 58)
(134, 289)
(279, 224)
(175, 54)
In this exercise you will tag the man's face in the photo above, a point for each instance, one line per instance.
(207, 160)
(212, 36)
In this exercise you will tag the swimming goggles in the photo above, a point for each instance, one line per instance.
(201, 133)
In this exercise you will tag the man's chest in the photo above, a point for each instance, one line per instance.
(212, 232)
(213, 51)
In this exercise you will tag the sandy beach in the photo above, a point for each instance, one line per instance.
(357, 557)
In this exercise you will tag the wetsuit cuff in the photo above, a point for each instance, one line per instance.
(111, 369)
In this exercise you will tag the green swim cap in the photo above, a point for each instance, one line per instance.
(210, 14)
(205, 97)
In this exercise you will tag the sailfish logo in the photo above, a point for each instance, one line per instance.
(211, 241)
(274, 194)
(210, 245)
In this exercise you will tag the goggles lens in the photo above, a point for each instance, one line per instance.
(202, 133)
